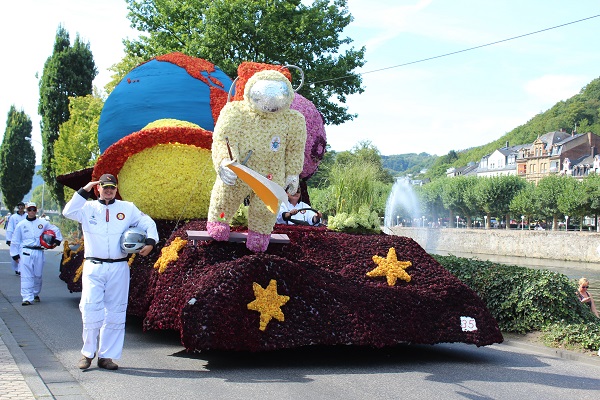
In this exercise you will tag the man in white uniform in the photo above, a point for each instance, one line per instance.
(296, 212)
(105, 277)
(13, 221)
(27, 251)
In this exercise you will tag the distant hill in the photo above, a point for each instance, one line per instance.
(581, 111)
(410, 163)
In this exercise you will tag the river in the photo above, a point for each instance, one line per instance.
(572, 269)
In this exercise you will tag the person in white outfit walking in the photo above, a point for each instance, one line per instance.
(13, 221)
(105, 277)
(27, 250)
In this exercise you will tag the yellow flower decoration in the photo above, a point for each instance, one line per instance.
(268, 303)
(68, 253)
(170, 122)
(78, 273)
(130, 261)
(390, 267)
(169, 181)
(169, 253)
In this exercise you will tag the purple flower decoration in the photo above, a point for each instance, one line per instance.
(316, 140)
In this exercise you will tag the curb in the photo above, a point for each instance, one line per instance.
(31, 376)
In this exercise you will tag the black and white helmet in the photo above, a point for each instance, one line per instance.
(133, 240)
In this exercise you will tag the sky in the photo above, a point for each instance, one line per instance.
(444, 103)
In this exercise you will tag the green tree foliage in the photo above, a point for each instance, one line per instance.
(17, 158)
(457, 196)
(320, 178)
(496, 193)
(68, 72)
(548, 192)
(441, 165)
(430, 199)
(524, 202)
(591, 189)
(227, 32)
(572, 200)
(77, 146)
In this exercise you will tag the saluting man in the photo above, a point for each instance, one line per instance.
(27, 250)
(105, 277)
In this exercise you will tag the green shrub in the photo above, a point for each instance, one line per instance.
(365, 221)
(521, 299)
(585, 335)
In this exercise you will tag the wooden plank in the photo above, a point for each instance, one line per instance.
(236, 236)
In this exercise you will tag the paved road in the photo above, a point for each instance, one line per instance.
(155, 366)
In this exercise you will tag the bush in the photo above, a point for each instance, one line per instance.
(570, 336)
(521, 299)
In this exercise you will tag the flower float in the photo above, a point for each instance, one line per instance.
(321, 288)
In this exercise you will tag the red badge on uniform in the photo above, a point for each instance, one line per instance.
(120, 216)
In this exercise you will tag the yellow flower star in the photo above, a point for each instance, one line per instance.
(268, 303)
(390, 267)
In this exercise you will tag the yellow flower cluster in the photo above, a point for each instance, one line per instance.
(78, 272)
(130, 261)
(169, 253)
(68, 253)
(390, 267)
(170, 122)
(268, 303)
(169, 181)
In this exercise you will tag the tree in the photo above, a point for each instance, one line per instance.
(457, 196)
(227, 32)
(548, 192)
(68, 72)
(524, 202)
(591, 188)
(17, 158)
(77, 145)
(496, 193)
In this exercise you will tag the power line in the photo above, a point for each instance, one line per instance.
(458, 51)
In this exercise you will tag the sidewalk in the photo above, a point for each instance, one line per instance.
(28, 368)
(18, 378)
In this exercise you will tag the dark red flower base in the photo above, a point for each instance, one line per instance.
(332, 301)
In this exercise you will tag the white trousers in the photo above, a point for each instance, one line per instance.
(104, 295)
(31, 265)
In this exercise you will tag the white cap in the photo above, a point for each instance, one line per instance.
(30, 204)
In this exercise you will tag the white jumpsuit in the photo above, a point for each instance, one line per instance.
(25, 242)
(13, 221)
(105, 277)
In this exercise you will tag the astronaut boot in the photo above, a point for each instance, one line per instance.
(257, 242)
(218, 230)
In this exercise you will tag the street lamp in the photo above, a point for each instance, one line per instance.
(423, 225)
(522, 222)
(397, 220)
(485, 221)
(566, 223)
(457, 218)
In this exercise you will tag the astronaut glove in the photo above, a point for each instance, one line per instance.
(227, 176)
(291, 184)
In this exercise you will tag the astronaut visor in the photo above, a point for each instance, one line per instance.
(269, 96)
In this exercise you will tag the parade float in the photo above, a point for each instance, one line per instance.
(315, 287)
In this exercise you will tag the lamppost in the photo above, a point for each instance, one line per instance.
(457, 218)
(423, 224)
(397, 220)
(522, 222)
(485, 221)
(566, 223)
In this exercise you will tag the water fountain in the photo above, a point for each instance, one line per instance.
(402, 203)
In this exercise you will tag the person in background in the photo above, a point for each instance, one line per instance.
(585, 296)
(27, 250)
(13, 221)
(294, 212)
(105, 277)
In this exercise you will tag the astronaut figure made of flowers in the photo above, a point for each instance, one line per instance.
(262, 132)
